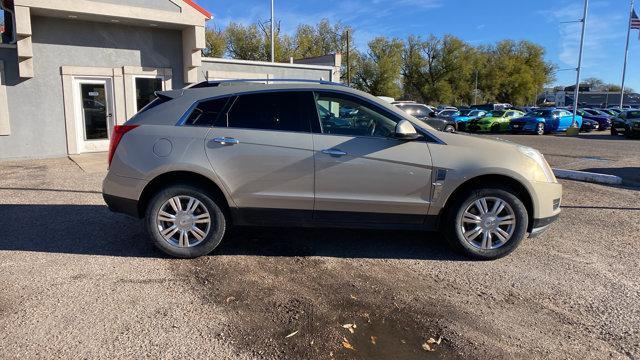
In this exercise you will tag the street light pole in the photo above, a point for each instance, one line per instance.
(577, 89)
(626, 52)
(475, 92)
(273, 44)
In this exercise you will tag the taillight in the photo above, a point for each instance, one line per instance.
(116, 136)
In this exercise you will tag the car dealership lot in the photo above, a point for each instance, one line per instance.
(79, 281)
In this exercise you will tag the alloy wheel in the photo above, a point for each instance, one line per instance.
(487, 223)
(183, 221)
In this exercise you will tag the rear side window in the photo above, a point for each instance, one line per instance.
(282, 111)
(155, 102)
(208, 113)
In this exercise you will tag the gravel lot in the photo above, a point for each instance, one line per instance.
(81, 282)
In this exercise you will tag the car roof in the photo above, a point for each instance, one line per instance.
(183, 99)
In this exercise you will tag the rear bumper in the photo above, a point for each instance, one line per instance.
(122, 205)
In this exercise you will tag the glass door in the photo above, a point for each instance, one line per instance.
(94, 114)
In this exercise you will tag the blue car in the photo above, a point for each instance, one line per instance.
(466, 116)
(603, 119)
(541, 121)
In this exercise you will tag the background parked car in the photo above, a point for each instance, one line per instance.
(543, 121)
(462, 119)
(494, 121)
(604, 120)
(627, 123)
(611, 112)
(589, 125)
(424, 113)
(448, 113)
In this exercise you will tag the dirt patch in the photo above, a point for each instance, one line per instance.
(316, 299)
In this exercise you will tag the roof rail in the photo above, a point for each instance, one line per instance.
(214, 83)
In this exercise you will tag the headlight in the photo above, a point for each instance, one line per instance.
(536, 156)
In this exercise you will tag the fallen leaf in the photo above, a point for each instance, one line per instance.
(230, 298)
(427, 347)
(374, 339)
(350, 327)
(434, 341)
(347, 345)
(403, 341)
(290, 335)
(354, 297)
(429, 344)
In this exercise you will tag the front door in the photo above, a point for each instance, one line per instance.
(94, 113)
(362, 174)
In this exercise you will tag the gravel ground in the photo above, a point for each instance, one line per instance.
(81, 282)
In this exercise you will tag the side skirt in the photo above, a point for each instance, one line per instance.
(332, 219)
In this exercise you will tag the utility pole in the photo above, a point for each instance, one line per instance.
(475, 92)
(577, 89)
(348, 67)
(273, 43)
(626, 52)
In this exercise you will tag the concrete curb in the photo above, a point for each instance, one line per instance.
(587, 176)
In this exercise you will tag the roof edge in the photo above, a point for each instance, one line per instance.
(199, 8)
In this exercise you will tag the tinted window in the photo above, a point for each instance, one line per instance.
(346, 115)
(283, 111)
(207, 113)
(633, 115)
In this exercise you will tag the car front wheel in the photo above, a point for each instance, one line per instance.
(449, 128)
(185, 222)
(487, 223)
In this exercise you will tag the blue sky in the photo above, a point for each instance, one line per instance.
(477, 22)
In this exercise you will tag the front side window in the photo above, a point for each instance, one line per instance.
(208, 113)
(279, 111)
(346, 115)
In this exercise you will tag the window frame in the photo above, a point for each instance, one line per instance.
(183, 119)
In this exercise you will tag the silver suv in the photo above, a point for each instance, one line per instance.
(196, 161)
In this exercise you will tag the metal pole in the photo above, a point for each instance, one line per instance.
(577, 89)
(348, 65)
(475, 92)
(626, 52)
(273, 43)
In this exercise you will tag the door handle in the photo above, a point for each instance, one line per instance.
(334, 152)
(226, 140)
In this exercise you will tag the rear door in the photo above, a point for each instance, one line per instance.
(362, 174)
(262, 149)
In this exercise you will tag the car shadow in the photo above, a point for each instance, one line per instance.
(94, 230)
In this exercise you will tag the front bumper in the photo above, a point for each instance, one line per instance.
(541, 225)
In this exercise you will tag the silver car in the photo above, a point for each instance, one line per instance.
(196, 161)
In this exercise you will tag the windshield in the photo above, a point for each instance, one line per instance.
(475, 113)
(465, 112)
(495, 114)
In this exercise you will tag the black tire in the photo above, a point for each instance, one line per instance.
(452, 226)
(217, 228)
(614, 131)
(540, 129)
(627, 132)
(495, 128)
(449, 128)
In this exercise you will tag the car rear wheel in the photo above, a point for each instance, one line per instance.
(486, 223)
(614, 131)
(185, 222)
(495, 128)
(540, 129)
(449, 128)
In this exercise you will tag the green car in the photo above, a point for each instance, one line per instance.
(494, 121)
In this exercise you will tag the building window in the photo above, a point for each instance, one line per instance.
(6, 27)
(145, 88)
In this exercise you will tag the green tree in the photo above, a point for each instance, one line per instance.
(245, 42)
(378, 70)
(216, 42)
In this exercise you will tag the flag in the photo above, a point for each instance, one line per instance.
(635, 20)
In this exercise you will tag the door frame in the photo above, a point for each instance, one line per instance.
(98, 145)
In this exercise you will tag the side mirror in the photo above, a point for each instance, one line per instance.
(405, 131)
(432, 114)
